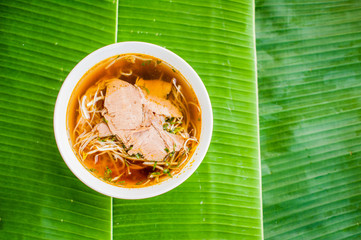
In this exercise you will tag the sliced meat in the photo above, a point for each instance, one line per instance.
(147, 117)
(123, 135)
(172, 141)
(148, 142)
(160, 106)
(103, 130)
(124, 106)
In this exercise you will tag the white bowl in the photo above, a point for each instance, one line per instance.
(62, 134)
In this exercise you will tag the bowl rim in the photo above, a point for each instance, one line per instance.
(62, 135)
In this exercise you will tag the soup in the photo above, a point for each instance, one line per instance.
(133, 120)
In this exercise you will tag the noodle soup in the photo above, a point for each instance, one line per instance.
(133, 120)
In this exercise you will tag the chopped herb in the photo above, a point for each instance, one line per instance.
(166, 149)
(138, 183)
(171, 154)
(165, 126)
(148, 61)
(170, 120)
(108, 179)
(155, 164)
(101, 140)
(146, 89)
(107, 175)
(199, 119)
(106, 121)
(92, 170)
(155, 173)
(177, 129)
(167, 172)
(159, 62)
(138, 155)
(121, 182)
(143, 63)
(173, 69)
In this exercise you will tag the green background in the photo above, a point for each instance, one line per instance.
(284, 82)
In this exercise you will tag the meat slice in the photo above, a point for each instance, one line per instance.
(172, 141)
(124, 106)
(123, 135)
(147, 117)
(160, 106)
(103, 130)
(148, 142)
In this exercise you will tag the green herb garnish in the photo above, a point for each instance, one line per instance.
(167, 172)
(138, 183)
(108, 179)
(146, 89)
(155, 164)
(177, 129)
(166, 149)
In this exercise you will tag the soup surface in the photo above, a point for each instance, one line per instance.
(133, 120)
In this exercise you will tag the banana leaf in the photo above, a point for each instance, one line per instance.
(222, 199)
(309, 72)
(43, 40)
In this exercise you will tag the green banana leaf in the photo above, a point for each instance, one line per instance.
(41, 199)
(309, 72)
(222, 199)
(41, 41)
